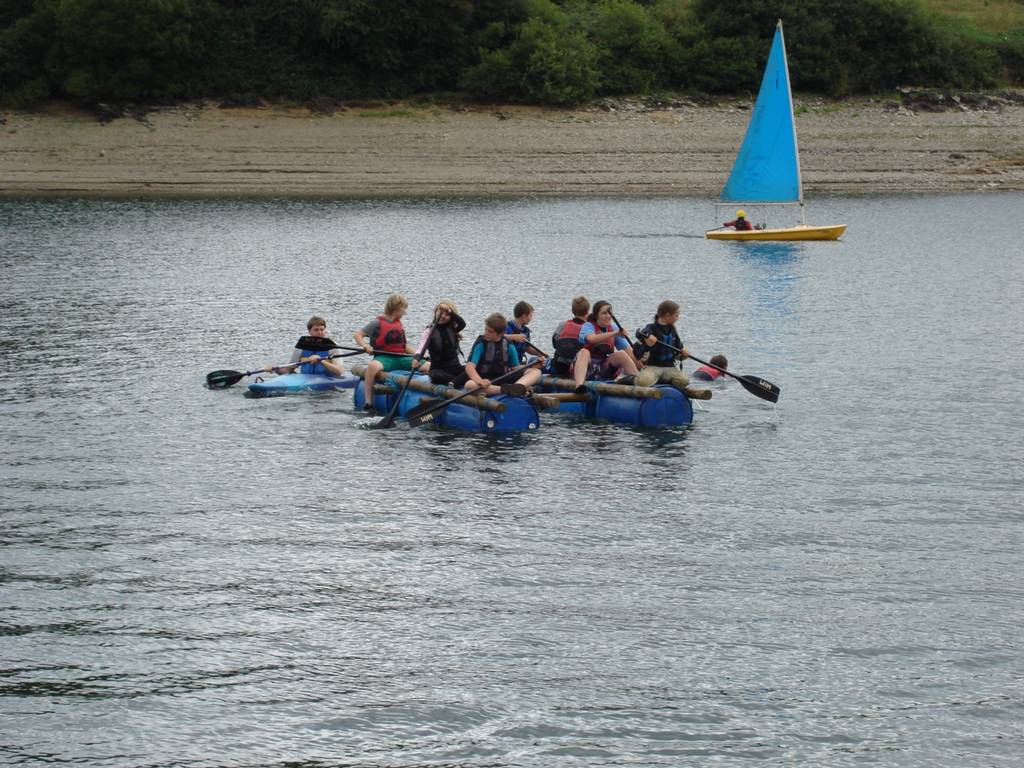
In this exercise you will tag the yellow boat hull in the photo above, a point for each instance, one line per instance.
(800, 232)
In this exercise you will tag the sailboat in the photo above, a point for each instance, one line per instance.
(767, 168)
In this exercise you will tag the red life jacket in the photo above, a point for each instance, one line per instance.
(707, 373)
(567, 343)
(600, 351)
(391, 337)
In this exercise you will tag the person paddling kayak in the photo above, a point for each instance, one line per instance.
(311, 353)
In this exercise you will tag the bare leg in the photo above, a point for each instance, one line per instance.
(581, 366)
(490, 389)
(530, 377)
(622, 359)
(370, 378)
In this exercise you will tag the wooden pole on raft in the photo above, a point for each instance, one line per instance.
(437, 390)
(604, 388)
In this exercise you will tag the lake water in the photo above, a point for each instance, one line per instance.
(193, 578)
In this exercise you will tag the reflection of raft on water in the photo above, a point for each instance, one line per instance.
(659, 406)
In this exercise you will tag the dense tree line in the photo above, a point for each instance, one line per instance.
(540, 51)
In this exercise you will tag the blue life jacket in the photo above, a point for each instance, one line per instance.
(658, 355)
(314, 368)
(314, 345)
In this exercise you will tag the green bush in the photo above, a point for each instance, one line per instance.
(544, 63)
(633, 47)
(129, 49)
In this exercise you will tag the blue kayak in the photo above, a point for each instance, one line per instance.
(291, 383)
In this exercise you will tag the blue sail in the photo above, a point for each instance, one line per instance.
(767, 168)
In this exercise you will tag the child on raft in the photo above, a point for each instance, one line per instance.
(566, 340)
(311, 353)
(518, 330)
(661, 361)
(605, 351)
(384, 338)
(443, 345)
(709, 373)
(492, 356)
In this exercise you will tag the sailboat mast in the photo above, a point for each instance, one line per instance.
(792, 122)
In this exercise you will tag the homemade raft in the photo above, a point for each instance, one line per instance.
(291, 383)
(501, 413)
(658, 406)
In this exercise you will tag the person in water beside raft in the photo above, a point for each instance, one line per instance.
(661, 361)
(311, 353)
(707, 373)
(492, 356)
(443, 346)
(740, 223)
(384, 337)
(605, 352)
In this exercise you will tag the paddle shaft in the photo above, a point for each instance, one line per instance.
(389, 419)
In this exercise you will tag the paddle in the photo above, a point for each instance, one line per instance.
(225, 378)
(389, 419)
(537, 349)
(424, 412)
(755, 385)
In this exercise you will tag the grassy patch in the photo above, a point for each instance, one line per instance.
(993, 16)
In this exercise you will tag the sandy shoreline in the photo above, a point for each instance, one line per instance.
(857, 147)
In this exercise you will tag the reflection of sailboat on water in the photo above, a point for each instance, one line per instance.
(767, 168)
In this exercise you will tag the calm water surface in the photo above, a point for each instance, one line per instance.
(193, 578)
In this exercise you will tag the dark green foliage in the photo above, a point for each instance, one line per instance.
(544, 51)
(838, 47)
(24, 45)
(1010, 49)
(543, 63)
(633, 47)
(128, 49)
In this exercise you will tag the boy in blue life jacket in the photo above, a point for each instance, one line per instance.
(660, 360)
(492, 356)
(518, 331)
(311, 353)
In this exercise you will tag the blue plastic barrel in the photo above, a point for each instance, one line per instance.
(519, 415)
(672, 409)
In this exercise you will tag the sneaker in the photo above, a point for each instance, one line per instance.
(697, 394)
(581, 389)
(628, 380)
(514, 390)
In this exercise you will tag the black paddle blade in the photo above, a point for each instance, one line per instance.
(422, 413)
(763, 389)
(223, 379)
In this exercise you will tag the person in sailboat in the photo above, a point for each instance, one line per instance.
(740, 223)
